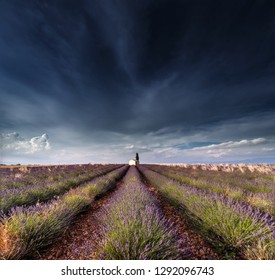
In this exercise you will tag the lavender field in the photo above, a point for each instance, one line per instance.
(115, 211)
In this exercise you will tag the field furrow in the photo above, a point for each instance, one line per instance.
(131, 222)
(142, 233)
(148, 212)
(44, 190)
(237, 230)
(195, 245)
(255, 189)
(28, 229)
(80, 240)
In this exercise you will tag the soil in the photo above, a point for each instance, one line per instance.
(80, 241)
(189, 239)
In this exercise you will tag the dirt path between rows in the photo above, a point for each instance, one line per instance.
(196, 246)
(80, 240)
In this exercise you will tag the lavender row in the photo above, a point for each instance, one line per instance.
(20, 177)
(255, 182)
(133, 228)
(43, 192)
(46, 176)
(258, 196)
(237, 229)
(28, 229)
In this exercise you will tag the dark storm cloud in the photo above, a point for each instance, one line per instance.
(136, 67)
(76, 52)
(222, 52)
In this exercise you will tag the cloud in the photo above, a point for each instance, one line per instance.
(13, 143)
(232, 144)
(242, 149)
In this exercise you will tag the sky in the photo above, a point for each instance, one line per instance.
(177, 81)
